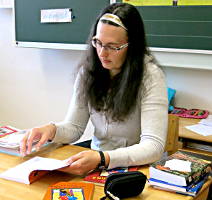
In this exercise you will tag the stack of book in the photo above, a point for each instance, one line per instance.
(180, 173)
(10, 139)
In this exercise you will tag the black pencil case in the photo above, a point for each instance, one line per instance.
(124, 184)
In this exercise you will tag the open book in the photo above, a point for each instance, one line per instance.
(31, 170)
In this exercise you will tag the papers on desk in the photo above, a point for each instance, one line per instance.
(204, 127)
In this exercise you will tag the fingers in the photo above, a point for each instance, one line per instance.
(41, 142)
(82, 163)
(75, 167)
(26, 143)
(39, 135)
(74, 158)
(23, 145)
(28, 140)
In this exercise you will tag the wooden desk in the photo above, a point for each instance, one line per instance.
(188, 135)
(10, 190)
(185, 133)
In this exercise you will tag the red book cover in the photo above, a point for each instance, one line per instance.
(99, 177)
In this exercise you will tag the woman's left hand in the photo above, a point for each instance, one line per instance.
(82, 163)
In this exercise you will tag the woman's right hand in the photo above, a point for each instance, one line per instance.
(40, 135)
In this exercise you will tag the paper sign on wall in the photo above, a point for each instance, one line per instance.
(56, 15)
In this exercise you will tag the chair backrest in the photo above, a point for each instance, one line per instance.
(172, 135)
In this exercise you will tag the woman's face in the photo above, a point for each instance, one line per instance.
(111, 36)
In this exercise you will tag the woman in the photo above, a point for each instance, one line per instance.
(121, 89)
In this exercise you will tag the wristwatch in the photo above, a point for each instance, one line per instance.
(101, 164)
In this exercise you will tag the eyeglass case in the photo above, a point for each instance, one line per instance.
(124, 185)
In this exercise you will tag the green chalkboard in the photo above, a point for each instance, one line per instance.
(180, 27)
(29, 29)
(184, 27)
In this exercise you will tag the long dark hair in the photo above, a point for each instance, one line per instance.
(117, 96)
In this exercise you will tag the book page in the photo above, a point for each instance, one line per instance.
(22, 171)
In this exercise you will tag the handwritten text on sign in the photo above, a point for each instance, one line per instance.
(56, 15)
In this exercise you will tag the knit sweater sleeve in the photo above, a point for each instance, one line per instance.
(154, 120)
(75, 122)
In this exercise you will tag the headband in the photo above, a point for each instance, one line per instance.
(113, 18)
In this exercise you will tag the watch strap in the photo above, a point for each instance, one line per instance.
(101, 164)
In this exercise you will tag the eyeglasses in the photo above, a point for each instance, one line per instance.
(98, 45)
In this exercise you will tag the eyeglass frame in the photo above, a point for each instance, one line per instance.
(108, 47)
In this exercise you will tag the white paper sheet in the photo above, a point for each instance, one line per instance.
(179, 165)
(207, 121)
(56, 15)
(201, 129)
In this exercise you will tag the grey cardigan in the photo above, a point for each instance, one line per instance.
(139, 139)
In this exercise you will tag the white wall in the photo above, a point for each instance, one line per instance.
(36, 84)
(193, 87)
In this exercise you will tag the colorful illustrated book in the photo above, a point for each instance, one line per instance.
(70, 191)
(182, 177)
(32, 169)
(99, 177)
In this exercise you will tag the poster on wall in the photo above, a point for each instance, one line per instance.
(168, 2)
